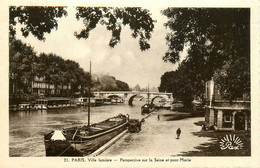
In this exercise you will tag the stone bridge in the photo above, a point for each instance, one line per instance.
(128, 96)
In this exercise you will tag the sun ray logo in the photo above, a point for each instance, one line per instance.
(231, 142)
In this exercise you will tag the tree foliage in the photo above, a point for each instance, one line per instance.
(25, 65)
(109, 83)
(34, 20)
(21, 68)
(185, 82)
(138, 19)
(122, 86)
(218, 41)
(41, 20)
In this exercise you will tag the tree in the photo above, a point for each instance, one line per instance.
(40, 20)
(35, 20)
(138, 19)
(108, 83)
(219, 38)
(25, 66)
(182, 83)
(122, 86)
(74, 71)
(21, 69)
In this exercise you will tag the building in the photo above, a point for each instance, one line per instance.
(224, 114)
(41, 87)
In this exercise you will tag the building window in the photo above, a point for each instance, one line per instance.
(227, 118)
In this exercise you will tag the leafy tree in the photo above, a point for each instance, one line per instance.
(73, 72)
(138, 19)
(96, 85)
(108, 83)
(25, 66)
(40, 20)
(122, 86)
(218, 40)
(35, 20)
(182, 83)
(21, 69)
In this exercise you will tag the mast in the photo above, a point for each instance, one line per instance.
(89, 92)
(148, 94)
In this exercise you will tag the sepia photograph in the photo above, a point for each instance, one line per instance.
(130, 84)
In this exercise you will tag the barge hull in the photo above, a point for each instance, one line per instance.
(82, 146)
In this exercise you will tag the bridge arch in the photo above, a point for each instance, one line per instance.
(114, 96)
(130, 101)
(156, 97)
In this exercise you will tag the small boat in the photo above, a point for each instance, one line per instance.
(134, 126)
(98, 101)
(177, 106)
(41, 106)
(52, 103)
(84, 140)
(113, 101)
(119, 101)
(25, 107)
(81, 101)
(107, 101)
(167, 106)
(147, 108)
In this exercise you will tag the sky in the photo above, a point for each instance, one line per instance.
(126, 62)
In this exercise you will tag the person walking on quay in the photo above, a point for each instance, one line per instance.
(158, 117)
(178, 132)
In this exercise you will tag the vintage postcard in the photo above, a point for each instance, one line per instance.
(130, 84)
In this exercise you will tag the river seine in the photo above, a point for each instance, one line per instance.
(27, 128)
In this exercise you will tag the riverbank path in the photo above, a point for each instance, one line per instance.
(158, 138)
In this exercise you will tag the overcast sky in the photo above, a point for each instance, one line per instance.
(125, 61)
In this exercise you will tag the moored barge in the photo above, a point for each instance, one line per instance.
(82, 141)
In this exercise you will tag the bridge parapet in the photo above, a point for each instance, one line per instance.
(128, 96)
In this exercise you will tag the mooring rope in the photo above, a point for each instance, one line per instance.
(67, 148)
(75, 133)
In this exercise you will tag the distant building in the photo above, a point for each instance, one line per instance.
(223, 114)
(137, 88)
(41, 87)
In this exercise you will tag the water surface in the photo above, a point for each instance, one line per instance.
(27, 128)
